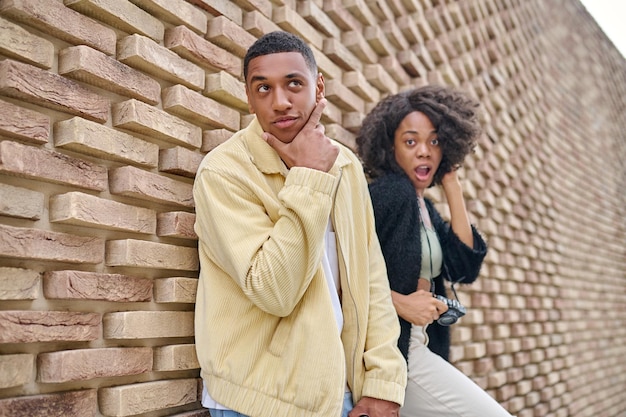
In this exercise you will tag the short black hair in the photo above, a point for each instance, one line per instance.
(453, 114)
(276, 42)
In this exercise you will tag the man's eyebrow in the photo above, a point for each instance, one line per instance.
(258, 78)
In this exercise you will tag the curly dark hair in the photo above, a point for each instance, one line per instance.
(453, 114)
(276, 42)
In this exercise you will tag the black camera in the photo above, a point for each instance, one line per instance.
(455, 311)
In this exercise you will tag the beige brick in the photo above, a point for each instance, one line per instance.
(394, 35)
(204, 412)
(176, 224)
(356, 43)
(344, 98)
(411, 64)
(406, 24)
(352, 121)
(198, 109)
(147, 324)
(62, 404)
(16, 370)
(377, 76)
(257, 24)
(145, 254)
(146, 55)
(175, 358)
(21, 202)
(201, 52)
(19, 284)
(326, 66)
(316, 17)
(93, 67)
(32, 84)
(212, 138)
(175, 290)
(23, 124)
(341, 16)
(88, 210)
(337, 132)
(226, 8)
(18, 43)
(226, 89)
(134, 182)
(358, 84)
(360, 10)
(84, 364)
(93, 139)
(375, 36)
(127, 400)
(120, 14)
(341, 55)
(179, 161)
(80, 285)
(53, 18)
(43, 245)
(262, 6)
(48, 326)
(227, 34)
(176, 12)
(289, 20)
(50, 166)
(152, 122)
(393, 67)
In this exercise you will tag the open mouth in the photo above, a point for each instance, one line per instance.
(422, 172)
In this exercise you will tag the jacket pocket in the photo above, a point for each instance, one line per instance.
(281, 336)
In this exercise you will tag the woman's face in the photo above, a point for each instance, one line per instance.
(417, 150)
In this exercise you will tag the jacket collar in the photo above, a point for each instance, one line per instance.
(265, 158)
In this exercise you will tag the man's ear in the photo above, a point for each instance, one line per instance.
(320, 88)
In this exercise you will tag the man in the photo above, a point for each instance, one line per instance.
(293, 311)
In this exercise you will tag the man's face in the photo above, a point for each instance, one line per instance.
(282, 92)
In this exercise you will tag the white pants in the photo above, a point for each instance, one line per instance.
(436, 388)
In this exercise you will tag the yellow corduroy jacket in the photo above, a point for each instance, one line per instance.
(266, 337)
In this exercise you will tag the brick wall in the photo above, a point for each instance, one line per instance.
(107, 107)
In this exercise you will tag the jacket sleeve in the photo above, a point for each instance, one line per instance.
(461, 262)
(272, 258)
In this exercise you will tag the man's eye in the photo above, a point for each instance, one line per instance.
(263, 89)
(295, 83)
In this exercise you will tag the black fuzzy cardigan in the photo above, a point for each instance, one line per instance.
(396, 211)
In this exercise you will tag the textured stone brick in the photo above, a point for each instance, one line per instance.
(357, 83)
(146, 55)
(19, 284)
(378, 41)
(21, 202)
(177, 12)
(356, 43)
(147, 324)
(257, 24)
(48, 326)
(376, 75)
(32, 84)
(50, 166)
(201, 52)
(175, 290)
(179, 161)
(176, 224)
(134, 182)
(175, 358)
(289, 20)
(86, 137)
(80, 285)
(344, 98)
(326, 66)
(198, 109)
(226, 89)
(411, 64)
(25, 243)
(359, 9)
(93, 67)
(395, 70)
(84, 364)
(212, 138)
(316, 17)
(152, 122)
(127, 400)
(53, 18)
(122, 15)
(61, 404)
(19, 43)
(23, 124)
(226, 8)
(344, 136)
(144, 254)
(88, 210)
(16, 370)
(341, 56)
(204, 412)
(228, 35)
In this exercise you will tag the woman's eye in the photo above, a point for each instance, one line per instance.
(410, 142)
(434, 142)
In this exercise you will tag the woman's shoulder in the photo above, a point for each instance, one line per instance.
(392, 183)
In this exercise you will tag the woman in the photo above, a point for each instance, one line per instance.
(409, 142)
